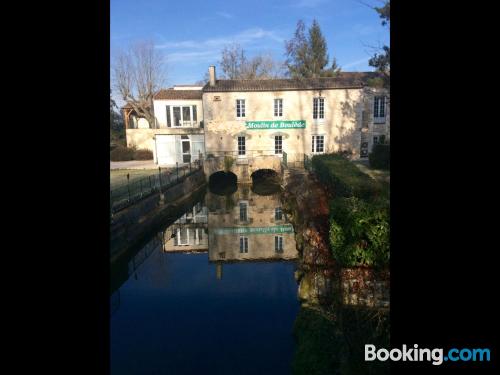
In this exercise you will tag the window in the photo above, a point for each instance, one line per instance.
(318, 108)
(182, 237)
(379, 109)
(241, 146)
(278, 244)
(243, 211)
(186, 116)
(169, 120)
(278, 144)
(240, 108)
(278, 107)
(379, 139)
(177, 116)
(243, 244)
(278, 213)
(182, 116)
(198, 236)
(318, 143)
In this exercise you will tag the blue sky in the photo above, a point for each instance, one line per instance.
(191, 33)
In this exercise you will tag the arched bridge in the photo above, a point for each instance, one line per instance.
(242, 165)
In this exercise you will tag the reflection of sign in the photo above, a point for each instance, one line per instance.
(297, 124)
(255, 230)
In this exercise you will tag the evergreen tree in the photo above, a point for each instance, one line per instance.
(317, 50)
(381, 61)
(307, 57)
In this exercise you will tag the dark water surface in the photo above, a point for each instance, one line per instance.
(219, 310)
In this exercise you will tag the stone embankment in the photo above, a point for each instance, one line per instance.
(321, 280)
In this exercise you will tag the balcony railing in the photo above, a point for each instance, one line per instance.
(183, 125)
(238, 154)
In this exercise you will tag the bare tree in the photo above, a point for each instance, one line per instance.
(138, 75)
(232, 60)
(235, 64)
(261, 67)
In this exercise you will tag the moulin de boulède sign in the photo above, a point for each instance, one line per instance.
(255, 230)
(295, 124)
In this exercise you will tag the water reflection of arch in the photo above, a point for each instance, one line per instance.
(246, 226)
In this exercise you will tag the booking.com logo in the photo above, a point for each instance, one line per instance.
(436, 356)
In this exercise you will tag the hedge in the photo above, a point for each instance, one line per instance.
(122, 153)
(143, 154)
(343, 178)
(380, 156)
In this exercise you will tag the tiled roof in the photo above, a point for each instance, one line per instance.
(178, 94)
(342, 80)
(129, 106)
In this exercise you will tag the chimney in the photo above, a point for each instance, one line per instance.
(211, 73)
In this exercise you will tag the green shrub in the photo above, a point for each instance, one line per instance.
(343, 178)
(360, 231)
(143, 154)
(380, 156)
(121, 153)
(228, 163)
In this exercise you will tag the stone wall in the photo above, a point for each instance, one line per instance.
(364, 287)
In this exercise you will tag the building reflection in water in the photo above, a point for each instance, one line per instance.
(189, 233)
(243, 226)
(246, 226)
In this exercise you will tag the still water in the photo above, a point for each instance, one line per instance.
(213, 293)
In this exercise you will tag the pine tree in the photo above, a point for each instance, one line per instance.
(317, 50)
(307, 57)
(382, 61)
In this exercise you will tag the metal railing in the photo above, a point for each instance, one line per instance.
(240, 154)
(307, 163)
(134, 190)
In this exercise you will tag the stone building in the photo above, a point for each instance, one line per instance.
(262, 120)
(247, 118)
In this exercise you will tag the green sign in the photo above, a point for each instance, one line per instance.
(255, 230)
(297, 124)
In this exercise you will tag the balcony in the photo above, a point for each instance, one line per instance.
(182, 125)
